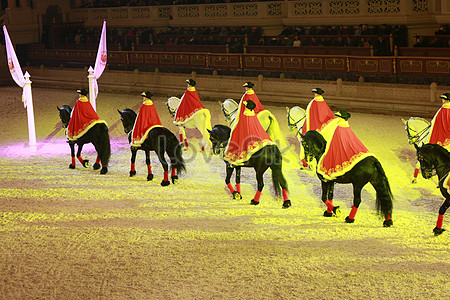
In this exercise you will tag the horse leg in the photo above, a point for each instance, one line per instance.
(303, 161)
(438, 229)
(183, 136)
(356, 202)
(238, 184)
(84, 162)
(327, 198)
(133, 161)
(165, 165)
(416, 172)
(72, 154)
(230, 170)
(149, 166)
(96, 166)
(260, 180)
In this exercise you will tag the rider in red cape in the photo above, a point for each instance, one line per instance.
(318, 116)
(249, 95)
(189, 105)
(440, 125)
(146, 120)
(83, 117)
(343, 151)
(247, 137)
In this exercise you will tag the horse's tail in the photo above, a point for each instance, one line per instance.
(278, 179)
(174, 152)
(105, 145)
(384, 196)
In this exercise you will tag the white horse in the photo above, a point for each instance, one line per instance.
(200, 120)
(296, 118)
(268, 121)
(417, 130)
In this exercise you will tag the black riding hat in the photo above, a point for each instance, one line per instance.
(250, 104)
(191, 82)
(147, 94)
(83, 92)
(249, 84)
(343, 114)
(318, 91)
(445, 96)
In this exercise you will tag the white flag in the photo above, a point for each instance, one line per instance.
(14, 66)
(100, 61)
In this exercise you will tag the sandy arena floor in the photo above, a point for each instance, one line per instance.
(74, 234)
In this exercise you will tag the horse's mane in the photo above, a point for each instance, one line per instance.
(315, 135)
(130, 111)
(437, 148)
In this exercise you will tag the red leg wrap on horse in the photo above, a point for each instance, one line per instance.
(238, 187)
(97, 161)
(440, 221)
(230, 187)
(181, 138)
(186, 143)
(149, 169)
(166, 176)
(416, 172)
(174, 172)
(133, 167)
(305, 164)
(257, 196)
(285, 195)
(330, 206)
(80, 159)
(203, 148)
(353, 212)
(73, 161)
(388, 217)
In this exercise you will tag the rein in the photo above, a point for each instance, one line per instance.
(294, 124)
(419, 135)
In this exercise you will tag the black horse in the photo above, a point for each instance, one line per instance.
(159, 139)
(435, 157)
(268, 157)
(367, 170)
(97, 135)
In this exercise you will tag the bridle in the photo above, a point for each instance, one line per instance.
(419, 135)
(228, 114)
(171, 110)
(294, 125)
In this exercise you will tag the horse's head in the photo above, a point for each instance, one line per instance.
(417, 129)
(219, 136)
(128, 117)
(313, 144)
(229, 109)
(64, 115)
(296, 117)
(172, 105)
(432, 158)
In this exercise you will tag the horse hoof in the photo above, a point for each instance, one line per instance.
(438, 231)
(96, 166)
(149, 177)
(104, 170)
(414, 180)
(286, 204)
(336, 211)
(348, 220)
(165, 183)
(86, 163)
(253, 202)
(174, 179)
(132, 173)
(388, 223)
(71, 166)
(237, 195)
(327, 214)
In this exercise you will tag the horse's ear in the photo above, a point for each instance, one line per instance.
(417, 147)
(209, 131)
(287, 109)
(58, 108)
(219, 102)
(301, 135)
(119, 112)
(404, 121)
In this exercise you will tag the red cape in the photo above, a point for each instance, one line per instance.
(343, 152)
(250, 95)
(440, 127)
(318, 115)
(247, 137)
(82, 118)
(189, 105)
(146, 120)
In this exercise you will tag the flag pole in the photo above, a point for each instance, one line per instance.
(92, 97)
(30, 112)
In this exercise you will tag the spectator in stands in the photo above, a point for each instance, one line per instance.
(349, 42)
(437, 42)
(441, 31)
(296, 42)
(381, 46)
(421, 42)
(363, 42)
(339, 42)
